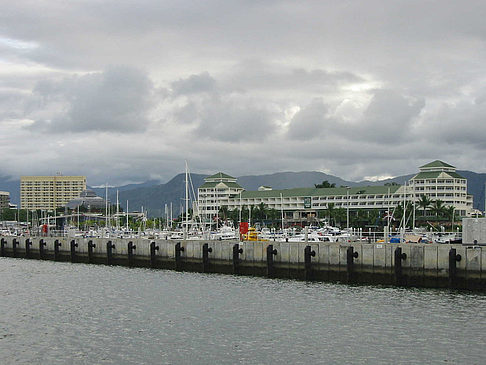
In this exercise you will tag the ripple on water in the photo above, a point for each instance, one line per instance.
(60, 313)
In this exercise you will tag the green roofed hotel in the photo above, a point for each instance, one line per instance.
(217, 190)
(436, 180)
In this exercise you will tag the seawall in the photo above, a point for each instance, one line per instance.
(417, 265)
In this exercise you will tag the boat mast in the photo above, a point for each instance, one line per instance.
(166, 216)
(106, 205)
(281, 211)
(127, 216)
(187, 204)
(117, 210)
(388, 216)
(404, 212)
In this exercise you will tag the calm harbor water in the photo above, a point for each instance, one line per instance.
(62, 313)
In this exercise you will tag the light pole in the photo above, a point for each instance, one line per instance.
(281, 212)
(452, 221)
(240, 208)
(347, 208)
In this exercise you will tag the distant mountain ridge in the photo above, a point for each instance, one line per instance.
(290, 180)
(154, 198)
(101, 191)
(152, 195)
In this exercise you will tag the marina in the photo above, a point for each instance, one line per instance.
(242, 182)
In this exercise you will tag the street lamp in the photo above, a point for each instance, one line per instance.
(240, 208)
(347, 208)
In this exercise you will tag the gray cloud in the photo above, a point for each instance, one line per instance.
(389, 117)
(194, 84)
(258, 75)
(460, 124)
(337, 86)
(116, 100)
(230, 119)
(311, 122)
(12, 105)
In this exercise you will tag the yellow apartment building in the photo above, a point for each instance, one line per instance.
(49, 192)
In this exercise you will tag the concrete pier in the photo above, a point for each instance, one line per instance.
(419, 265)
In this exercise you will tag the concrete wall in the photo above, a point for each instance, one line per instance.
(374, 262)
(474, 229)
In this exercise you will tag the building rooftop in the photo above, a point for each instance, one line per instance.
(220, 175)
(436, 174)
(309, 192)
(87, 198)
(213, 184)
(437, 164)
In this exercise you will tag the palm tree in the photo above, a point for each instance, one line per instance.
(262, 211)
(437, 207)
(339, 216)
(233, 215)
(330, 212)
(398, 213)
(273, 214)
(449, 212)
(223, 212)
(360, 218)
(424, 202)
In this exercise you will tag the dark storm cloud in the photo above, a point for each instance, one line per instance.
(258, 75)
(116, 100)
(389, 117)
(194, 84)
(312, 121)
(459, 124)
(316, 84)
(230, 119)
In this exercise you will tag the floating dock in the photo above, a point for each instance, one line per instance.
(409, 265)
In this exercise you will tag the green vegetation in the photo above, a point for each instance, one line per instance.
(325, 184)
(427, 213)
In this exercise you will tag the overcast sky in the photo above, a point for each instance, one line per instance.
(125, 91)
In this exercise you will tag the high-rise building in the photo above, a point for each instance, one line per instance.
(49, 192)
(4, 200)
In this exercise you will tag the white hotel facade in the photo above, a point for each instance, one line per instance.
(436, 180)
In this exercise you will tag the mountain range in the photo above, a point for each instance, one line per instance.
(153, 196)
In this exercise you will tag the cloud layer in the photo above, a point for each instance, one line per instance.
(126, 91)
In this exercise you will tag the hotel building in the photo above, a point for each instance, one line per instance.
(49, 192)
(217, 190)
(436, 180)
